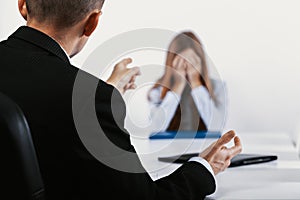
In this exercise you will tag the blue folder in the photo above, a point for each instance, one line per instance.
(185, 134)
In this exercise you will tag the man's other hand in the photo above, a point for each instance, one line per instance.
(218, 155)
(122, 77)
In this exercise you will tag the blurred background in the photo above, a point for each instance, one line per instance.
(254, 45)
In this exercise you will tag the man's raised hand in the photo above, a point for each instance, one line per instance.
(122, 77)
(218, 155)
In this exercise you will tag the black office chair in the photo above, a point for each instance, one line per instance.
(20, 173)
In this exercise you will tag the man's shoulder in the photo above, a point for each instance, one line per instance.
(2, 43)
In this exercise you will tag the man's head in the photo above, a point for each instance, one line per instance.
(60, 17)
(62, 13)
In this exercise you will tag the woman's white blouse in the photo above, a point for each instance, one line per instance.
(163, 111)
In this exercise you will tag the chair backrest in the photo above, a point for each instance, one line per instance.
(20, 174)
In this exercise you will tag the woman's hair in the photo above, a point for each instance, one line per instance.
(183, 41)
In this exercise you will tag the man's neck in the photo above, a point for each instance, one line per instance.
(63, 38)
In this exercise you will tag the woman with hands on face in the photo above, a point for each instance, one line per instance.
(187, 67)
(185, 96)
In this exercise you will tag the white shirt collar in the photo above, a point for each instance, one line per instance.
(66, 53)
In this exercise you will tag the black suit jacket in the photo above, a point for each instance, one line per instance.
(36, 73)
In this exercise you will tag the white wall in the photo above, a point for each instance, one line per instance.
(253, 43)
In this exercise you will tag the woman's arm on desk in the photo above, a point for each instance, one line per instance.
(162, 111)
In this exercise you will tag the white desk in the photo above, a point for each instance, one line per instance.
(275, 180)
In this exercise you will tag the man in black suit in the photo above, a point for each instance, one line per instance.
(36, 72)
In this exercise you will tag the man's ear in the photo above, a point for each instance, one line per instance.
(91, 23)
(23, 8)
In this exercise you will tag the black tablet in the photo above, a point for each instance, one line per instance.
(238, 160)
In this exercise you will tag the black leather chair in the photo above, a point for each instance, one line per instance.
(20, 173)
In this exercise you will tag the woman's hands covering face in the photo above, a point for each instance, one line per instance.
(188, 65)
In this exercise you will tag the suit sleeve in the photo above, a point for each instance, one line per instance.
(190, 181)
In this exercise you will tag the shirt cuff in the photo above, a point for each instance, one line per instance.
(205, 164)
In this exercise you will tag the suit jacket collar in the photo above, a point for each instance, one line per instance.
(41, 40)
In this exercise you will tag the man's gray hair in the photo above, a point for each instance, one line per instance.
(61, 13)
